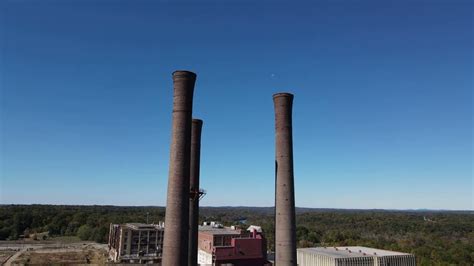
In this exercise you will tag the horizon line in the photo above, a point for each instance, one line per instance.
(240, 206)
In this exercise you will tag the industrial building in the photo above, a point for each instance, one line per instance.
(219, 245)
(136, 243)
(354, 255)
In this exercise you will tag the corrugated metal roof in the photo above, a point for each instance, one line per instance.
(351, 252)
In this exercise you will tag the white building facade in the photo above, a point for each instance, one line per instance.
(354, 255)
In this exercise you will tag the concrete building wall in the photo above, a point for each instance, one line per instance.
(329, 257)
(405, 260)
(126, 245)
(133, 244)
(311, 259)
(356, 261)
(204, 258)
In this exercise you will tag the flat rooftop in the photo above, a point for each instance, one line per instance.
(141, 226)
(351, 252)
(218, 231)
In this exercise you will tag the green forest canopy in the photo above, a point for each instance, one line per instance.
(435, 237)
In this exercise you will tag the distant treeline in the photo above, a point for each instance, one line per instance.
(435, 237)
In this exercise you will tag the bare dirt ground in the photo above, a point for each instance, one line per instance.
(5, 255)
(54, 253)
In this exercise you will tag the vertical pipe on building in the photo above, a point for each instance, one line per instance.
(285, 229)
(175, 242)
(194, 189)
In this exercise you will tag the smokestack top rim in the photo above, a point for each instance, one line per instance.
(283, 94)
(184, 73)
(197, 121)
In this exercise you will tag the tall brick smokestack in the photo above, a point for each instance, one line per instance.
(175, 243)
(285, 225)
(194, 189)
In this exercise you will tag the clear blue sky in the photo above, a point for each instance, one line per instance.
(382, 110)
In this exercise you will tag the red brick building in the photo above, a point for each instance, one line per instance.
(218, 245)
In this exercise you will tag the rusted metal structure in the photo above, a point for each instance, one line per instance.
(194, 191)
(175, 244)
(285, 225)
